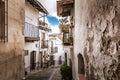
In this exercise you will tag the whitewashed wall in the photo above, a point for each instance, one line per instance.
(46, 38)
(58, 43)
(31, 16)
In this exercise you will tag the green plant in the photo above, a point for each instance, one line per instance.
(66, 72)
(64, 27)
(70, 39)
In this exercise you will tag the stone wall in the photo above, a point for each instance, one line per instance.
(11, 52)
(98, 25)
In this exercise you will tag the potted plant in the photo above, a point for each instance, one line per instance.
(66, 72)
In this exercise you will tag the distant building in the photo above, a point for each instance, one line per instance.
(44, 39)
(56, 51)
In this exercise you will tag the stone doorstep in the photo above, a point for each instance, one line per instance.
(57, 75)
(81, 77)
(24, 78)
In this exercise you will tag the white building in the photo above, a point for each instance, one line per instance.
(56, 50)
(43, 34)
(31, 33)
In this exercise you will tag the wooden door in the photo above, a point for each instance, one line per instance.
(60, 61)
(32, 60)
(40, 59)
(52, 59)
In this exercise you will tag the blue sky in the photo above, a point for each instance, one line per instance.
(52, 20)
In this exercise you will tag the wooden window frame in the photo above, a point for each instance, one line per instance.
(26, 52)
(56, 49)
(3, 20)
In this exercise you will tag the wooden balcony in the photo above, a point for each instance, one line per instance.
(31, 32)
(44, 26)
(64, 28)
(67, 39)
(64, 7)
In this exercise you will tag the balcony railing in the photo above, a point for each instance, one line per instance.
(44, 44)
(44, 26)
(31, 32)
(43, 23)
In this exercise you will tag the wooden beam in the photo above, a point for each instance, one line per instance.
(31, 39)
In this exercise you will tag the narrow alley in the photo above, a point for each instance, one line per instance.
(45, 74)
(59, 39)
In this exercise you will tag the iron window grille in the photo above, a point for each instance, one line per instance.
(3, 20)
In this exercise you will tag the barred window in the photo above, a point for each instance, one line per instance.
(3, 20)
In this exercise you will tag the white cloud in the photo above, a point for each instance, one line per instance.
(50, 5)
(55, 29)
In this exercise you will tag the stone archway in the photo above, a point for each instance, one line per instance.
(81, 67)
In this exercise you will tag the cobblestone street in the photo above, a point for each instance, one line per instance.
(46, 74)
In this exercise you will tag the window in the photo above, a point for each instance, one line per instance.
(26, 52)
(56, 49)
(65, 37)
(3, 20)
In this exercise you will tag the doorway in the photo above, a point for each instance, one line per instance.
(32, 60)
(51, 59)
(40, 59)
(60, 60)
(65, 58)
(81, 69)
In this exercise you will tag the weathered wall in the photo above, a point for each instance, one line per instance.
(98, 25)
(11, 52)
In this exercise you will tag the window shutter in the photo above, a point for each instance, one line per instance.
(3, 20)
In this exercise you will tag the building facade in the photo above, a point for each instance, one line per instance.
(32, 35)
(96, 42)
(56, 51)
(11, 39)
(65, 9)
(44, 39)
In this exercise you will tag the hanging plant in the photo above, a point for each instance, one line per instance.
(64, 27)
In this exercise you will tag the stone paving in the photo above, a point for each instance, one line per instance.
(57, 75)
(46, 74)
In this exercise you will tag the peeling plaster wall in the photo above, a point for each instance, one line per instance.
(98, 25)
(11, 52)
